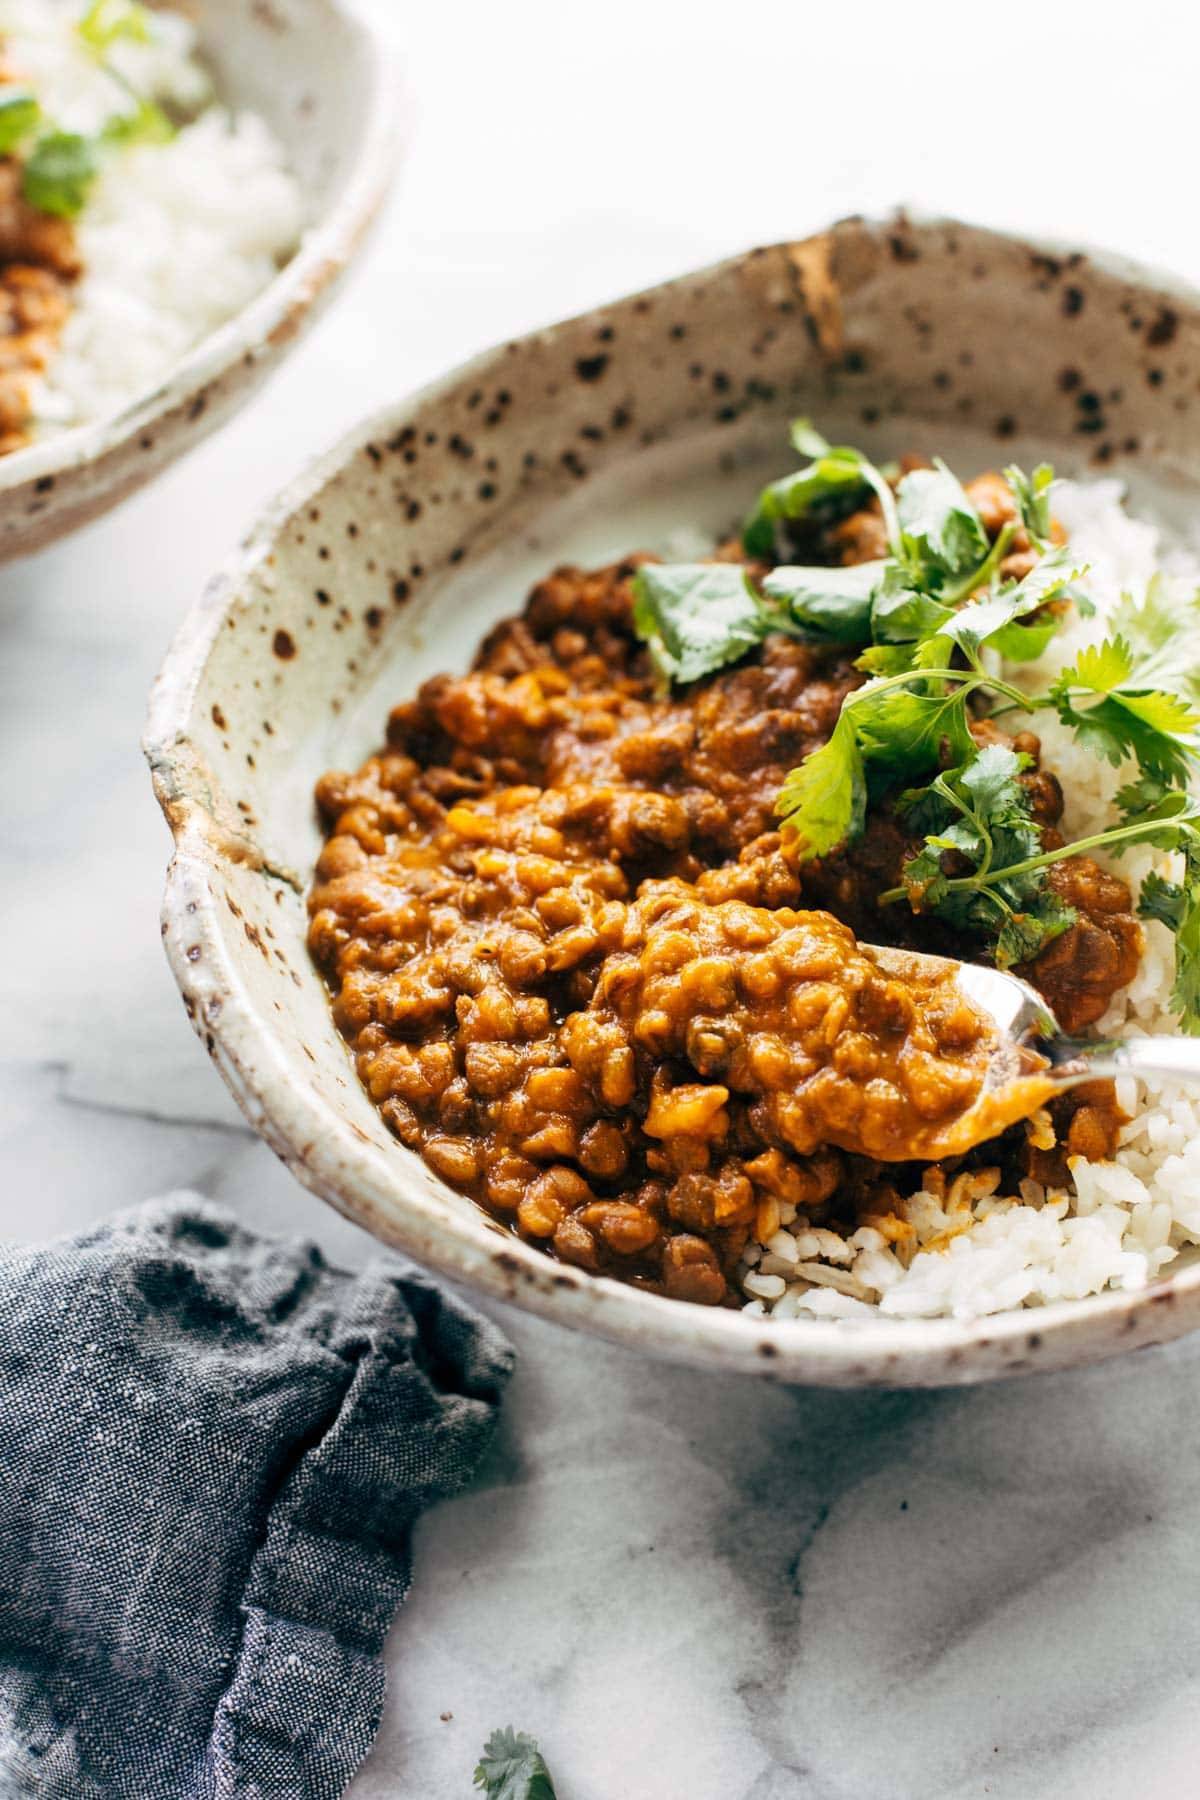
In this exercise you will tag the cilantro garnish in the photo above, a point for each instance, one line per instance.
(941, 534)
(1176, 904)
(106, 22)
(981, 811)
(1032, 495)
(835, 473)
(20, 115)
(59, 173)
(696, 617)
(931, 621)
(1105, 697)
(513, 1768)
(827, 605)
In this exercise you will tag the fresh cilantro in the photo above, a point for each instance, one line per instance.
(1025, 934)
(886, 730)
(941, 534)
(20, 115)
(835, 473)
(1032, 495)
(144, 122)
(1140, 796)
(513, 1768)
(1162, 631)
(1007, 892)
(1103, 696)
(59, 173)
(831, 606)
(985, 821)
(903, 732)
(824, 800)
(106, 22)
(990, 620)
(1176, 904)
(901, 614)
(696, 617)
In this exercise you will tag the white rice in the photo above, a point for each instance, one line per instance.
(175, 238)
(970, 1250)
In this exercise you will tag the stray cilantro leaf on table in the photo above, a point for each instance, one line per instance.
(513, 1768)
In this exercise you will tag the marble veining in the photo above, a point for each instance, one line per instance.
(690, 1588)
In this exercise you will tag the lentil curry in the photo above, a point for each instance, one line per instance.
(586, 976)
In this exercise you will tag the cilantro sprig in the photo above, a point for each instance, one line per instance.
(513, 1768)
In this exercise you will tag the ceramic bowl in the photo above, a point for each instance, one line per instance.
(389, 558)
(321, 75)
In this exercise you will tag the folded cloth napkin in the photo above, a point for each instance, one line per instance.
(213, 1450)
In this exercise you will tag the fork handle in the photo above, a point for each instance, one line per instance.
(1076, 1059)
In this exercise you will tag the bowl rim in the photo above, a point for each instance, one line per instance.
(322, 1151)
(273, 313)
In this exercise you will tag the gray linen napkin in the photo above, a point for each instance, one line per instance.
(212, 1453)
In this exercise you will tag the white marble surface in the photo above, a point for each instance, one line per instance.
(689, 1589)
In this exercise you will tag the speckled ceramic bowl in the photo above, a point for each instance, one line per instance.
(389, 558)
(322, 76)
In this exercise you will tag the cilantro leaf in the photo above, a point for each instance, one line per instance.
(993, 829)
(143, 123)
(884, 734)
(1162, 631)
(987, 621)
(824, 800)
(107, 21)
(1162, 900)
(807, 441)
(886, 659)
(835, 473)
(831, 606)
(901, 614)
(696, 617)
(20, 115)
(1176, 904)
(902, 732)
(1032, 495)
(1024, 935)
(59, 173)
(925, 881)
(941, 533)
(1128, 718)
(1140, 796)
(513, 1768)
